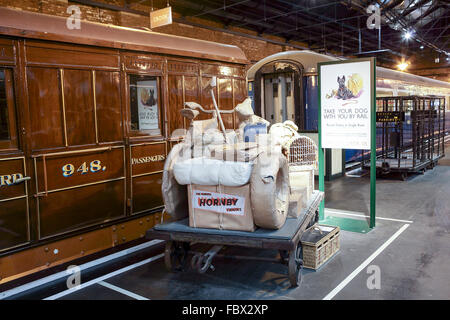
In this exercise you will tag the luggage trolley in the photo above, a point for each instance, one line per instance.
(410, 134)
(179, 237)
(301, 151)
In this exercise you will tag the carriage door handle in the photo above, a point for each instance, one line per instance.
(20, 180)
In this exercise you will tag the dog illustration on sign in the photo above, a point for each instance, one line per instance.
(347, 90)
(148, 97)
(343, 92)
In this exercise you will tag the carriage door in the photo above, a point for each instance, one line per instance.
(279, 97)
(147, 148)
(14, 219)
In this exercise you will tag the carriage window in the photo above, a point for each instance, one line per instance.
(145, 104)
(6, 105)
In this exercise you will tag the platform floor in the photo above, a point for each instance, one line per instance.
(410, 245)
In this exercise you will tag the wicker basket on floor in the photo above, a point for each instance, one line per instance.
(319, 243)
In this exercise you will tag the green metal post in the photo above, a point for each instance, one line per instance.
(373, 148)
(321, 157)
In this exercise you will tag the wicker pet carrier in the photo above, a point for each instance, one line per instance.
(303, 151)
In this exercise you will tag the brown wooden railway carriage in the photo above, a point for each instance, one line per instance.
(69, 120)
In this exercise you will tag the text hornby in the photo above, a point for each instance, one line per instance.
(217, 202)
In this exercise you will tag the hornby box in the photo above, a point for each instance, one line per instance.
(220, 207)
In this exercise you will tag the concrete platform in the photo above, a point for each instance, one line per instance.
(410, 245)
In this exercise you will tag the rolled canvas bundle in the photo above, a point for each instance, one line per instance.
(269, 185)
(211, 172)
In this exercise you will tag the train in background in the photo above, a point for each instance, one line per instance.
(284, 86)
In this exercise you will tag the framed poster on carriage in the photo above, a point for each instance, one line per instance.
(145, 104)
(347, 91)
(147, 93)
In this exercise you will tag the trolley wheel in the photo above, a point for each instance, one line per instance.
(295, 265)
(200, 263)
(404, 176)
(385, 168)
(175, 255)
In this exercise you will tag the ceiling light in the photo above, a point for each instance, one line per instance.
(407, 35)
(402, 66)
(421, 47)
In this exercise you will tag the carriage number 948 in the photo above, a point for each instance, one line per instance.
(94, 166)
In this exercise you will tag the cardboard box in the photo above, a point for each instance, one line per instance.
(220, 207)
(297, 201)
(299, 178)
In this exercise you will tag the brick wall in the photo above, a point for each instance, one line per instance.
(254, 49)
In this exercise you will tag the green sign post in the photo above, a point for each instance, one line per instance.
(347, 114)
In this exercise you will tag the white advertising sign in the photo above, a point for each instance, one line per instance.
(218, 202)
(147, 95)
(346, 105)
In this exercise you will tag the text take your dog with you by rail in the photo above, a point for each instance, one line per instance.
(218, 202)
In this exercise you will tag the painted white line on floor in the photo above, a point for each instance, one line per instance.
(347, 213)
(106, 276)
(85, 266)
(336, 290)
(122, 291)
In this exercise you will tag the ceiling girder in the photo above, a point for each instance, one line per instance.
(331, 25)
